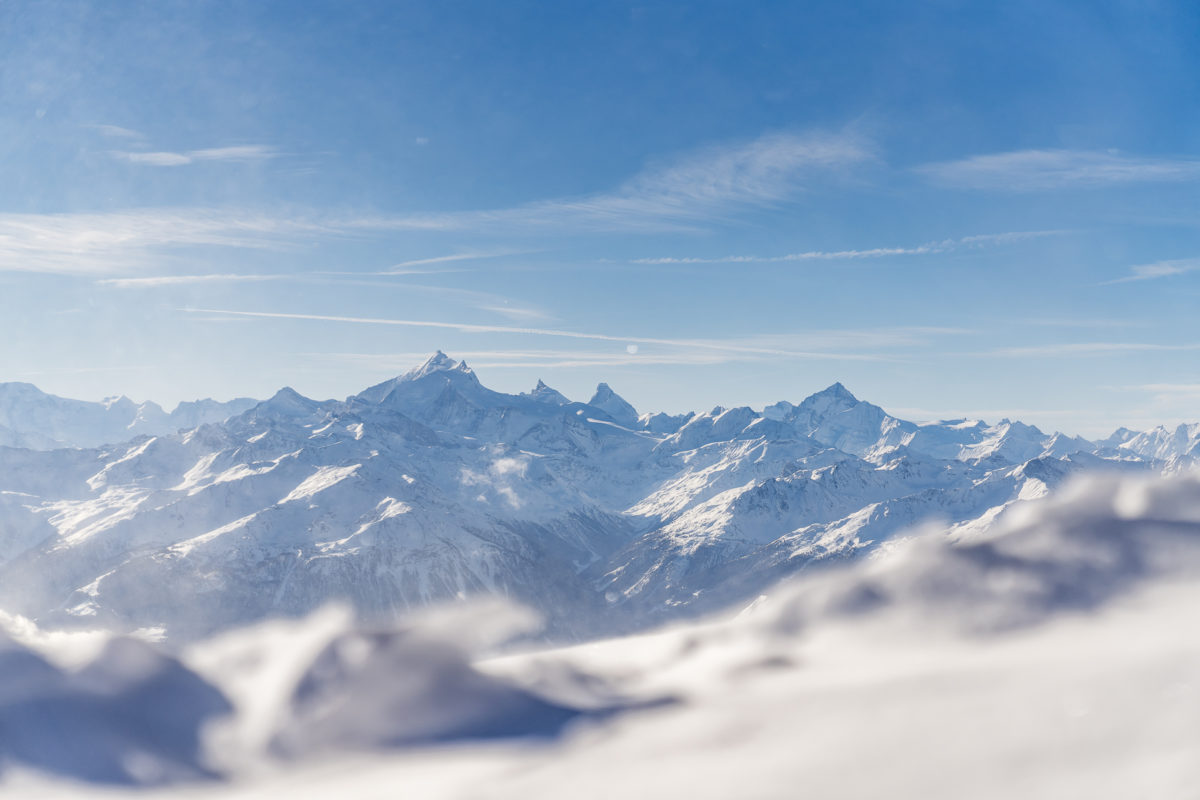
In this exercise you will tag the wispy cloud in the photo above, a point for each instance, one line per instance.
(762, 346)
(116, 131)
(247, 152)
(516, 312)
(91, 369)
(1165, 403)
(713, 183)
(473, 298)
(108, 243)
(483, 301)
(1171, 388)
(404, 267)
(1159, 269)
(942, 246)
(1162, 392)
(1032, 170)
(1074, 322)
(154, 159)
(183, 280)
(1087, 349)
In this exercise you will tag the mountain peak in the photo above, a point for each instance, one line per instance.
(839, 391)
(438, 362)
(21, 388)
(117, 401)
(833, 398)
(545, 394)
(413, 383)
(614, 405)
(288, 402)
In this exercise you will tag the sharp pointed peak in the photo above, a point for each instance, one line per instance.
(835, 394)
(438, 362)
(613, 404)
(604, 391)
(838, 389)
(288, 401)
(547, 394)
(287, 393)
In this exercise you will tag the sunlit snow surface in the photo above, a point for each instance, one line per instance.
(1056, 654)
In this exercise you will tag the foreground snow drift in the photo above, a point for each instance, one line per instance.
(1055, 656)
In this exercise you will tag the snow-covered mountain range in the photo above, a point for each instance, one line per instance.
(32, 419)
(430, 487)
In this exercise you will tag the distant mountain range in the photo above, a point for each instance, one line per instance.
(31, 418)
(430, 487)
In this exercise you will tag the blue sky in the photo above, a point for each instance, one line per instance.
(956, 209)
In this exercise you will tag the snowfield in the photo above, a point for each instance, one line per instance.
(1055, 655)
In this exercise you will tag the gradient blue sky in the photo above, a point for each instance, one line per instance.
(954, 208)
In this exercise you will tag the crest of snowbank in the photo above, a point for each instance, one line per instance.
(1099, 537)
(287, 689)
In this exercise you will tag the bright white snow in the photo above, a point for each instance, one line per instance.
(1053, 656)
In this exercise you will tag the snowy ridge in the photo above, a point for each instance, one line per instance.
(33, 419)
(431, 487)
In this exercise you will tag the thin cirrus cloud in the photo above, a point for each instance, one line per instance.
(713, 183)
(515, 312)
(116, 131)
(1033, 170)
(107, 243)
(1163, 388)
(942, 246)
(472, 298)
(1088, 349)
(1170, 392)
(411, 266)
(184, 280)
(784, 346)
(1158, 269)
(482, 301)
(1076, 322)
(246, 152)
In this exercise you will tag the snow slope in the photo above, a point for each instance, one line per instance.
(1053, 656)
